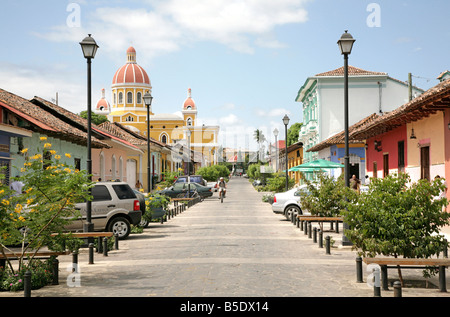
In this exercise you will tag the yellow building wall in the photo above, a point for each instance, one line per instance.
(295, 158)
(429, 131)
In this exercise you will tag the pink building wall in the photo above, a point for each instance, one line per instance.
(389, 145)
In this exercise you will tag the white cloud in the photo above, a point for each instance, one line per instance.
(169, 25)
(22, 81)
(277, 112)
(230, 120)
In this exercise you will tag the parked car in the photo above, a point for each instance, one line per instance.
(143, 223)
(180, 188)
(115, 207)
(214, 186)
(288, 203)
(194, 179)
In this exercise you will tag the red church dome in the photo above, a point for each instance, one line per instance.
(189, 103)
(131, 72)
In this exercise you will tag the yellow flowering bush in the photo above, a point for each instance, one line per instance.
(47, 203)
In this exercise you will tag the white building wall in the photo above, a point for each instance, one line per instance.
(364, 99)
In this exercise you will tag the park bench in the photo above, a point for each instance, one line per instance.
(95, 234)
(42, 255)
(87, 234)
(320, 220)
(184, 199)
(386, 263)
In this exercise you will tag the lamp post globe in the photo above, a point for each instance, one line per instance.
(346, 43)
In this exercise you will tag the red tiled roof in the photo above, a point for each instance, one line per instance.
(44, 120)
(352, 71)
(339, 138)
(434, 99)
(122, 132)
(82, 122)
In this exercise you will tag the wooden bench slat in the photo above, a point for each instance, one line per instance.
(319, 219)
(87, 234)
(38, 254)
(406, 261)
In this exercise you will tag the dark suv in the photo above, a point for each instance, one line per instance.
(194, 179)
(115, 208)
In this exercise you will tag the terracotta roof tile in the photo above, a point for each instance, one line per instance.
(339, 138)
(434, 99)
(352, 71)
(44, 121)
(121, 131)
(82, 123)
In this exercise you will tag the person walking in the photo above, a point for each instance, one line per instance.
(355, 184)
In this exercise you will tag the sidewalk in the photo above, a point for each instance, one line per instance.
(238, 248)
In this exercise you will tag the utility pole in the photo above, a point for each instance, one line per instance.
(410, 86)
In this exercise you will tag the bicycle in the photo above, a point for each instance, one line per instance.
(222, 196)
(193, 194)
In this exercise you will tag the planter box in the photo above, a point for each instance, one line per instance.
(158, 213)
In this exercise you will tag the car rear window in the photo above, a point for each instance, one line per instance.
(100, 193)
(124, 191)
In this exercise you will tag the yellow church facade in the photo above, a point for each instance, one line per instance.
(129, 84)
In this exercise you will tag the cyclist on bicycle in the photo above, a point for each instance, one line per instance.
(222, 187)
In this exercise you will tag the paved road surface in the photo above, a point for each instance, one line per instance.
(236, 249)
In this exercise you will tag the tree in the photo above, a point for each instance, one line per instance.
(293, 131)
(398, 218)
(328, 197)
(260, 138)
(214, 172)
(95, 118)
(47, 204)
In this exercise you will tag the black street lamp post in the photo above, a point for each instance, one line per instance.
(188, 134)
(148, 102)
(345, 44)
(286, 122)
(89, 48)
(275, 133)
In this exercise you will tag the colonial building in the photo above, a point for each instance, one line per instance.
(322, 97)
(129, 84)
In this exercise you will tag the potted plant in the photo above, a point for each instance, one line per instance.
(156, 205)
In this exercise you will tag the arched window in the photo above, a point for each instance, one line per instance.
(120, 97)
(129, 97)
(164, 139)
(139, 97)
(115, 101)
(129, 119)
(189, 121)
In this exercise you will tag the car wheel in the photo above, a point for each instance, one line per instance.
(290, 210)
(120, 227)
(144, 223)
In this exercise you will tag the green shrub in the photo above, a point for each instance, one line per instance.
(41, 275)
(398, 218)
(328, 197)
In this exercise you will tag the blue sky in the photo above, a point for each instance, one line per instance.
(244, 60)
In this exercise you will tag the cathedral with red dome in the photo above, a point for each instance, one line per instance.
(129, 84)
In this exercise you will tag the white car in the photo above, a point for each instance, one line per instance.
(213, 185)
(288, 203)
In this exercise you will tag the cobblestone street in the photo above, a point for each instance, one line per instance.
(236, 249)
